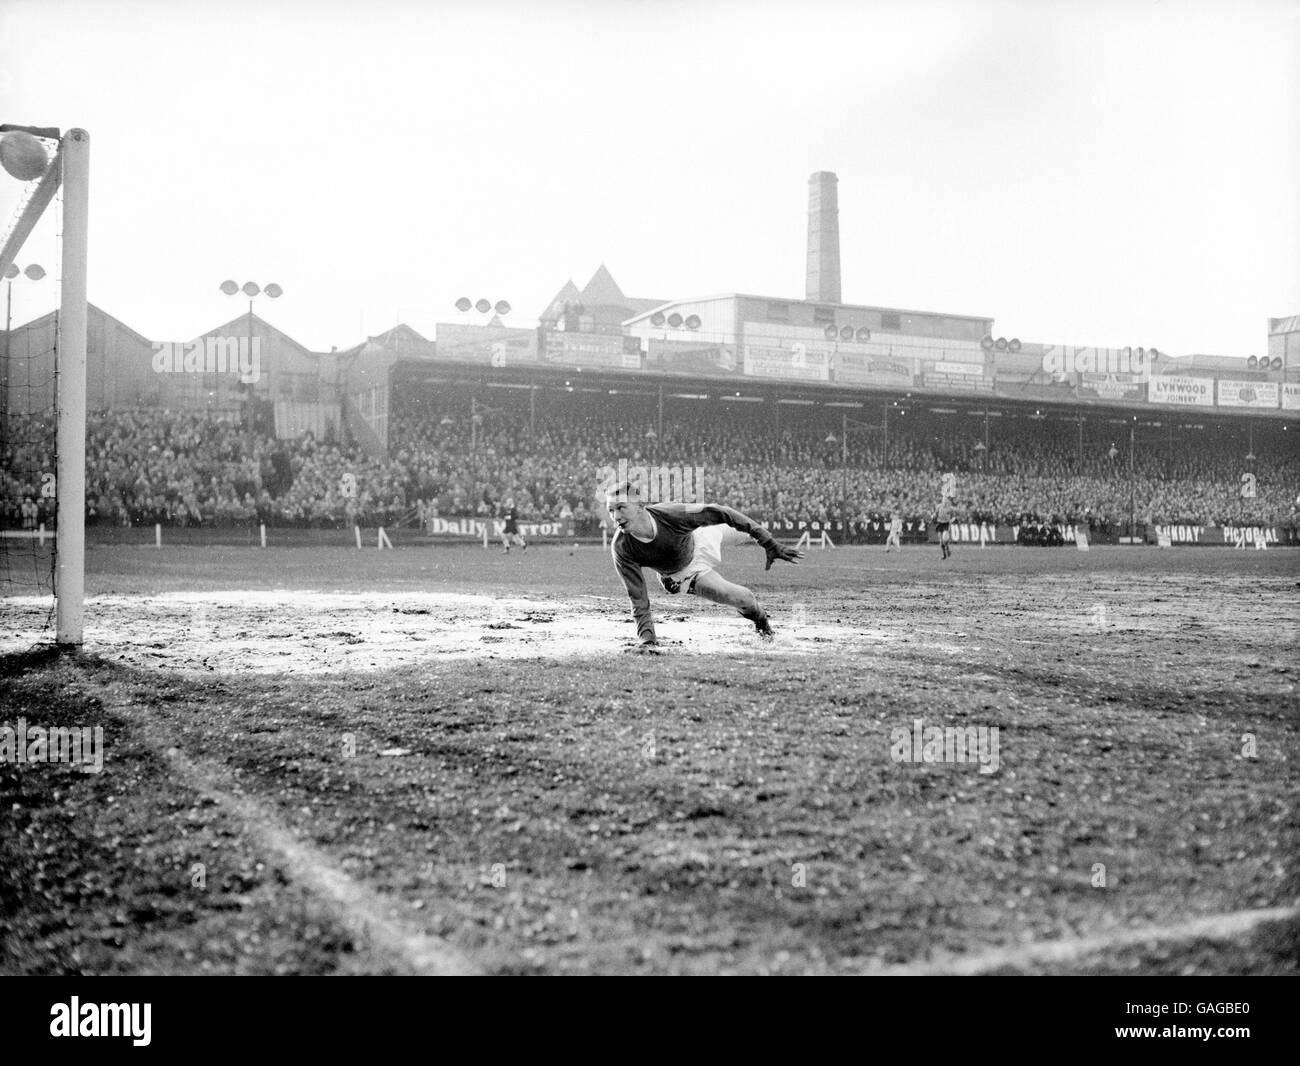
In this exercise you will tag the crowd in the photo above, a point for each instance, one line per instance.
(800, 468)
(199, 469)
(450, 455)
(26, 493)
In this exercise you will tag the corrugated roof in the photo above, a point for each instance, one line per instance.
(92, 312)
(238, 326)
(401, 334)
(405, 341)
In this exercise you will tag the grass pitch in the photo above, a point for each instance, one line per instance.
(449, 760)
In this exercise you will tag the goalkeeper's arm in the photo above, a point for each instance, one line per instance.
(712, 514)
(634, 582)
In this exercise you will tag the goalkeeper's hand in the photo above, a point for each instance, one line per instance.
(775, 551)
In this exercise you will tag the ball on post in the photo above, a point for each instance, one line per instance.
(22, 155)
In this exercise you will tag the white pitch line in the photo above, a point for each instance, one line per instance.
(366, 914)
(1211, 927)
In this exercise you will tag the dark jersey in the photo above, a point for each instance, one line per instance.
(672, 548)
(511, 515)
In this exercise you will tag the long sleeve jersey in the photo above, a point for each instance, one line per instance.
(672, 548)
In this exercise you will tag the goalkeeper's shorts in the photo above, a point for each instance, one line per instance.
(708, 554)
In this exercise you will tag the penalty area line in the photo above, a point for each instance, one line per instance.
(1212, 927)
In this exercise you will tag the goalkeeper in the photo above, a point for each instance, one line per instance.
(683, 543)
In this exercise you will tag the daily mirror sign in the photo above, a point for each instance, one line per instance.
(1185, 392)
(1248, 393)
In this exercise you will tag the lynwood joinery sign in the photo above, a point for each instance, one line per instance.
(1181, 391)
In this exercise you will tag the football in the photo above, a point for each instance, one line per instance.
(23, 156)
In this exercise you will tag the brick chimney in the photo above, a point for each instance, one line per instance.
(823, 279)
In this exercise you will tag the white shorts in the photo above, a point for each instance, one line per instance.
(708, 552)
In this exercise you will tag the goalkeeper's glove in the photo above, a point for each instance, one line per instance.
(775, 552)
(669, 584)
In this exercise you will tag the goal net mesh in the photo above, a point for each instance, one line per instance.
(29, 289)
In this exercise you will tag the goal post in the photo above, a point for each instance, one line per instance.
(69, 169)
(70, 572)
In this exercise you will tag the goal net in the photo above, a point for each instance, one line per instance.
(43, 380)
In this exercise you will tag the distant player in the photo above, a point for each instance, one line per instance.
(510, 531)
(895, 532)
(942, 520)
(683, 543)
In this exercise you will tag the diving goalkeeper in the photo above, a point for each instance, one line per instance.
(683, 543)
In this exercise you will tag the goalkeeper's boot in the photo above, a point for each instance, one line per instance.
(764, 628)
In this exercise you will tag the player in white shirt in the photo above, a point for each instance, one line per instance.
(895, 532)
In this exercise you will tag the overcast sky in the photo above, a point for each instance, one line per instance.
(1085, 173)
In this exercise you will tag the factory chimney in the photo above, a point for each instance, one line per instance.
(823, 280)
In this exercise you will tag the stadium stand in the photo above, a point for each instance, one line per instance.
(201, 469)
(1028, 473)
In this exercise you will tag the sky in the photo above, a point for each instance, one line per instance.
(1123, 173)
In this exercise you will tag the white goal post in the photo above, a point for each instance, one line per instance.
(70, 168)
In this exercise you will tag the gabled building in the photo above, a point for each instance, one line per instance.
(245, 366)
(118, 364)
(601, 307)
